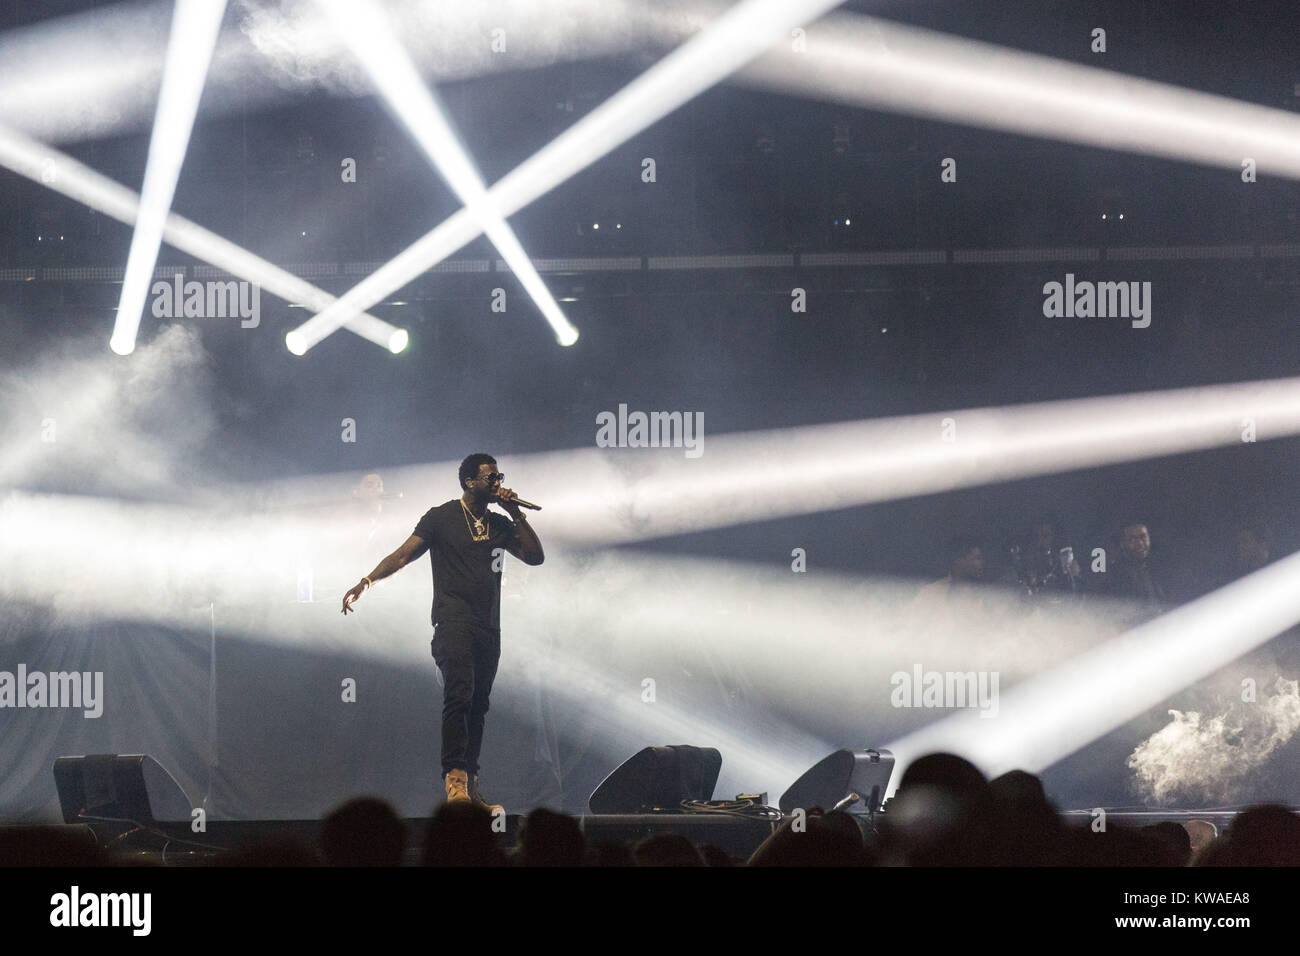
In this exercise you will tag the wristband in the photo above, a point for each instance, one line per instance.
(369, 583)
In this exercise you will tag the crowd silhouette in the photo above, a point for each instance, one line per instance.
(944, 813)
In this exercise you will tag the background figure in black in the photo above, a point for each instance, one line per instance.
(947, 604)
(466, 545)
(1042, 564)
(1251, 550)
(1129, 576)
(965, 563)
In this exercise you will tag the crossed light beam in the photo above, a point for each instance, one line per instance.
(364, 26)
(878, 64)
(65, 175)
(734, 39)
(194, 29)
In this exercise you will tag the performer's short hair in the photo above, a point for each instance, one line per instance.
(469, 467)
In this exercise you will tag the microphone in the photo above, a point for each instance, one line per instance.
(521, 503)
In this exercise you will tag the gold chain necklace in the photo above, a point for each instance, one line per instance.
(480, 529)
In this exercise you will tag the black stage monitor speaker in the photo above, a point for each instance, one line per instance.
(864, 772)
(658, 778)
(132, 787)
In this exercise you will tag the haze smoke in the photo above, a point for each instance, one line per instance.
(1213, 758)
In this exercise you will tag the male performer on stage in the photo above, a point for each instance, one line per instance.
(466, 545)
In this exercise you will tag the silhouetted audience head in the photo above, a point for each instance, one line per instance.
(605, 853)
(550, 839)
(949, 772)
(943, 814)
(716, 856)
(274, 852)
(460, 834)
(364, 831)
(1029, 829)
(1177, 838)
(815, 839)
(1120, 845)
(50, 846)
(1261, 836)
(667, 849)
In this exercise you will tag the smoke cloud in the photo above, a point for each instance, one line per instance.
(90, 421)
(1213, 758)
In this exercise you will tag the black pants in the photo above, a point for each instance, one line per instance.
(467, 656)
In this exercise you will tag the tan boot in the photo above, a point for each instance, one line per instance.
(457, 786)
(478, 798)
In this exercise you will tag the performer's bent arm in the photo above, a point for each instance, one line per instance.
(527, 547)
(412, 548)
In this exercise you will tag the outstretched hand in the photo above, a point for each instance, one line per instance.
(352, 595)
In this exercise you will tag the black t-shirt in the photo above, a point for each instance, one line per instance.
(465, 587)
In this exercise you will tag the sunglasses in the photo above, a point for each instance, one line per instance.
(493, 478)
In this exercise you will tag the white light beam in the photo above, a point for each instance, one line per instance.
(877, 64)
(95, 74)
(632, 493)
(194, 29)
(365, 28)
